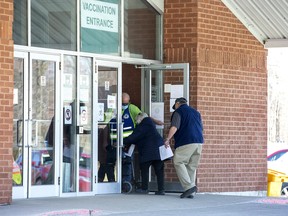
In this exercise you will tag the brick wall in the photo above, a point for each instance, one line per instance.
(228, 85)
(6, 95)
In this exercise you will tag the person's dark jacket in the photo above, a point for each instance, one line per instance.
(147, 139)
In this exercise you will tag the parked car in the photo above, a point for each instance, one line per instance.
(278, 161)
(41, 164)
(85, 172)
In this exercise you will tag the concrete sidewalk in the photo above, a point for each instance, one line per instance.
(149, 205)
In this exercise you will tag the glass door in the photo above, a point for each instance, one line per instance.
(36, 131)
(109, 121)
(20, 182)
(163, 83)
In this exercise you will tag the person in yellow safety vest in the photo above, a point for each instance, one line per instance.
(129, 114)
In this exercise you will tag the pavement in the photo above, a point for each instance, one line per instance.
(149, 205)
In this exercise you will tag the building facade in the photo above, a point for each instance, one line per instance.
(60, 74)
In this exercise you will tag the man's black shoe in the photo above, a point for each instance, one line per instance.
(194, 189)
(190, 196)
(160, 193)
(188, 192)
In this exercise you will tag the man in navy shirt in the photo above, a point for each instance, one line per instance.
(187, 129)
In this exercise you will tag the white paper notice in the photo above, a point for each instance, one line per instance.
(165, 153)
(83, 115)
(101, 112)
(172, 102)
(176, 91)
(111, 102)
(107, 85)
(157, 112)
(68, 115)
(167, 88)
(15, 98)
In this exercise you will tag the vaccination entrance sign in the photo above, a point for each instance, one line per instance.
(99, 15)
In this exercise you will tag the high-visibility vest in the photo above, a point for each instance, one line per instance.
(128, 125)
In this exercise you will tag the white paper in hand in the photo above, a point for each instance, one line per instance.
(165, 153)
(130, 150)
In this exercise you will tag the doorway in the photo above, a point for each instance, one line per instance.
(34, 152)
(56, 114)
(161, 85)
(154, 88)
(110, 126)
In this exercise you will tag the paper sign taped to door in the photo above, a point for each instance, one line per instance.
(101, 117)
(111, 102)
(83, 115)
(177, 91)
(67, 115)
(157, 112)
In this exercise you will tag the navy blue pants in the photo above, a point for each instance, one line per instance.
(158, 166)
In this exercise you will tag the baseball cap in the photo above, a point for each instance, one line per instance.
(180, 100)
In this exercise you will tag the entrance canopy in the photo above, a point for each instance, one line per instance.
(267, 20)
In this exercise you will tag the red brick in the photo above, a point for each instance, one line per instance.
(6, 87)
(229, 87)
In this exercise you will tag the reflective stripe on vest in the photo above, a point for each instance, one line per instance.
(126, 133)
(127, 127)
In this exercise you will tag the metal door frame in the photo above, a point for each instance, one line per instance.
(107, 187)
(49, 190)
(27, 190)
(22, 191)
(146, 81)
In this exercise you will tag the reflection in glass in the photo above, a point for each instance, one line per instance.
(69, 124)
(42, 123)
(107, 79)
(53, 24)
(142, 28)
(18, 122)
(85, 123)
(20, 30)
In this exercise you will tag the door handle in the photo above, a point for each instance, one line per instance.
(29, 126)
(120, 135)
(18, 124)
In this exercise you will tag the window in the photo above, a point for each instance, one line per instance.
(20, 30)
(53, 24)
(142, 35)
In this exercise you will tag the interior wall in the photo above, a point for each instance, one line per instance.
(131, 83)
